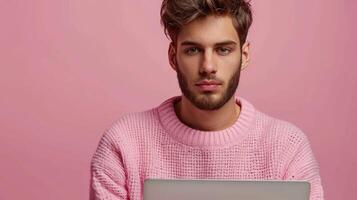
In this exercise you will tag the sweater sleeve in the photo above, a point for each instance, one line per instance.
(304, 166)
(108, 178)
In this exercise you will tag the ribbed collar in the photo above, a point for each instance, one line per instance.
(208, 139)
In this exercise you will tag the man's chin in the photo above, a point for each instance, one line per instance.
(208, 101)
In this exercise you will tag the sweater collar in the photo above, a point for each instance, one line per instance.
(197, 138)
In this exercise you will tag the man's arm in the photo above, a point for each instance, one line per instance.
(305, 167)
(108, 178)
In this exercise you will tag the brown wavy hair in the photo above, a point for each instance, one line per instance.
(176, 13)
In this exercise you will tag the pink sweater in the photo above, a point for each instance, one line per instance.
(156, 144)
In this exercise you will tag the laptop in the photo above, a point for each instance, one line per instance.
(173, 189)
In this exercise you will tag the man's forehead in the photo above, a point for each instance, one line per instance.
(198, 43)
(209, 30)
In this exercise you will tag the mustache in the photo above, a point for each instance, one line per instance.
(209, 78)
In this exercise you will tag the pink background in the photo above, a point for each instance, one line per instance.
(69, 68)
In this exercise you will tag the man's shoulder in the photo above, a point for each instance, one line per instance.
(135, 120)
(279, 129)
(135, 127)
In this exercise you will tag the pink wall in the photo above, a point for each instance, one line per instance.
(69, 68)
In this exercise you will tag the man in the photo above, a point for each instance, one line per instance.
(208, 132)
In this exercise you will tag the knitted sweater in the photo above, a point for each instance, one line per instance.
(156, 144)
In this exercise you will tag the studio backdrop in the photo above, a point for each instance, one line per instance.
(70, 68)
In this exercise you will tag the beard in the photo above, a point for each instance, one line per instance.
(205, 100)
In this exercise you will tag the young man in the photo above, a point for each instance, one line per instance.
(208, 132)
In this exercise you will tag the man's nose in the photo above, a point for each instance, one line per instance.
(208, 65)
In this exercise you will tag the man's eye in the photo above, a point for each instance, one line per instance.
(192, 50)
(223, 50)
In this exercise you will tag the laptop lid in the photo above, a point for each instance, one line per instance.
(163, 189)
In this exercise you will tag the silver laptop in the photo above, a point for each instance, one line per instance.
(161, 189)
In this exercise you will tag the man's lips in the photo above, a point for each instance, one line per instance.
(208, 82)
(208, 85)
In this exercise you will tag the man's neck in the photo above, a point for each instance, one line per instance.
(207, 120)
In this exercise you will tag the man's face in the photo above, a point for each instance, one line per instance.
(208, 61)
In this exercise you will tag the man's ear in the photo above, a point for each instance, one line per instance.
(245, 55)
(172, 56)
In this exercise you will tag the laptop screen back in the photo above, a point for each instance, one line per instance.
(160, 189)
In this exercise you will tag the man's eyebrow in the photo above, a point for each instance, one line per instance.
(191, 43)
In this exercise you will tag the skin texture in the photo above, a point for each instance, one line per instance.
(208, 48)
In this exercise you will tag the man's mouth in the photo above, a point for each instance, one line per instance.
(208, 85)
